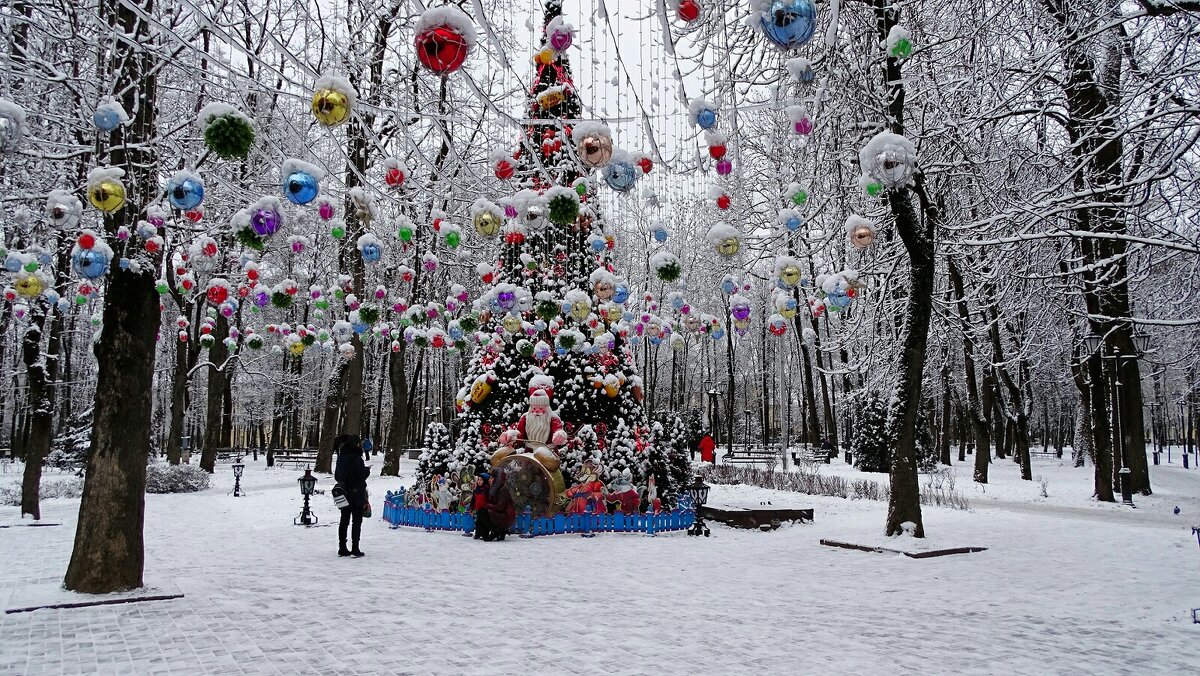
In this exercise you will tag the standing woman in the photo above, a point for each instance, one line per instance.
(351, 472)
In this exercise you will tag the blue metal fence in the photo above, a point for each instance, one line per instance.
(397, 514)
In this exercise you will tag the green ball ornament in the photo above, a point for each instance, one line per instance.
(250, 239)
(800, 198)
(162, 288)
(902, 49)
(337, 232)
(81, 299)
(453, 239)
(564, 209)
(206, 341)
(230, 136)
(308, 340)
(339, 294)
(31, 266)
(581, 189)
(369, 314)
(405, 234)
(322, 304)
(547, 310)
(469, 324)
(874, 189)
(255, 343)
(525, 348)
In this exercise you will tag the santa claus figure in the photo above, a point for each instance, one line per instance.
(538, 427)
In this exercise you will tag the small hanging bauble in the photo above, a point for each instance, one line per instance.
(185, 190)
(395, 172)
(63, 208)
(332, 100)
(861, 232)
(723, 202)
(265, 221)
(726, 238)
(105, 190)
(899, 42)
(562, 205)
(503, 167)
(777, 325)
(790, 275)
(109, 115)
(593, 144)
(666, 267)
(444, 37)
(12, 126)
(217, 292)
(227, 132)
(789, 23)
(301, 181)
(620, 175)
(325, 210)
(890, 159)
(703, 114)
(30, 285)
(689, 10)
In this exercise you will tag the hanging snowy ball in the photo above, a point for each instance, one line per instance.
(333, 98)
(621, 293)
(702, 113)
(486, 217)
(787, 270)
(560, 34)
(301, 181)
(787, 23)
(777, 325)
(796, 194)
(217, 291)
(724, 167)
(185, 190)
(325, 210)
(666, 266)
(91, 263)
(890, 159)
(451, 235)
(860, 231)
(444, 38)
(801, 69)
(899, 42)
(63, 208)
(370, 247)
(688, 10)
(30, 284)
(562, 205)
(105, 190)
(263, 217)
(660, 232)
(395, 172)
(12, 126)
(227, 132)
(620, 174)
(725, 237)
(109, 115)
(801, 123)
(791, 219)
(593, 143)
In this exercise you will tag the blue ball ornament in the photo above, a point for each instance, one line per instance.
(621, 294)
(728, 286)
(620, 176)
(789, 23)
(89, 264)
(717, 334)
(371, 253)
(661, 234)
(300, 187)
(706, 118)
(597, 245)
(678, 302)
(123, 263)
(12, 264)
(360, 327)
(106, 119)
(456, 333)
(838, 300)
(794, 223)
(185, 193)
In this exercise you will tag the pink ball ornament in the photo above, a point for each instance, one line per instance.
(724, 167)
(325, 210)
(399, 307)
(510, 211)
(123, 233)
(297, 246)
(354, 304)
(429, 264)
(804, 126)
(380, 293)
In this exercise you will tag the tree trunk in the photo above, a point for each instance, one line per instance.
(398, 429)
(944, 439)
(218, 355)
(108, 554)
(329, 421)
(975, 403)
(39, 379)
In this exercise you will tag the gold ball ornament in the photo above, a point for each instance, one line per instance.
(741, 324)
(729, 246)
(862, 237)
(613, 313)
(30, 286)
(296, 348)
(790, 275)
(330, 107)
(544, 57)
(691, 323)
(595, 151)
(487, 224)
(612, 389)
(580, 310)
(788, 312)
(480, 391)
(550, 99)
(512, 323)
(107, 195)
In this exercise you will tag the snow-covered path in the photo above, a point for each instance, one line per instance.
(1053, 594)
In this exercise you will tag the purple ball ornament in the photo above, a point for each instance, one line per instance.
(741, 312)
(724, 167)
(510, 211)
(265, 222)
(262, 298)
(506, 300)
(804, 126)
(560, 40)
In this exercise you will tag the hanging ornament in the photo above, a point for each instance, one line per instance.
(486, 218)
(227, 132)
(796, 194)
(301, 181)
(194, 215)
(185, 190)
(265, 217)
(703, 114)
(444, 38)
(801, 69)
(12, 126)
(723, 201)
(777, 325)
(890, 159)
(861, 232)
(502, 164)
(788, 23)
(562, 205)
(90, 256)
(560, 34)
(660, 232)
(666, 267)
(105, 190)
(451, 235)
(332, 100)
(899, 42)
(109, 115)
(801, 122)
(370, 247)
(63, 208)
(593, 143)
(688, 10)
(395, 172)
(726, 238)
(217, 292)
(620, 174)
(790, 219)
(325, 210)
(787, 271)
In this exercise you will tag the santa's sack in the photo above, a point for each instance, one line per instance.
(339, 497)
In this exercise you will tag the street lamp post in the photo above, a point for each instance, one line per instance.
(1154, 445)
(747, 412)
(699, 494)
(308, 483)
(1121, 469)
(238, 468)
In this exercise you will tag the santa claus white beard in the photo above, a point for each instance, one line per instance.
(537, 427)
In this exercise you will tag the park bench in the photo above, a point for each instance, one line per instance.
(297, 457)
(752, 455)
(1047, 453)
(812, 454)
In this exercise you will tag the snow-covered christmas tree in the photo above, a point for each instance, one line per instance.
(435, 458)
(554, 320)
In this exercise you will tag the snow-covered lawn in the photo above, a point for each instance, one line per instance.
(1066, 586)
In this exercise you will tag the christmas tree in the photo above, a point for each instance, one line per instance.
(435, 458)
(555, 319)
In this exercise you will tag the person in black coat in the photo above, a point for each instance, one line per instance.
(351, 472)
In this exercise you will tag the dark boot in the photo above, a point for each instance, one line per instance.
(342, 551)
(356, 552)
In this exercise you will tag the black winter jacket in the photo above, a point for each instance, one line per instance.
(351, 472)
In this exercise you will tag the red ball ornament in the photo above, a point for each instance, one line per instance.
(689, 10)
(514, 238)
(723, 201)
(407, 276)
(217, 294)
(252, 274)
(187, 284)
(243, 291)
(86, 241)
(441, 49)
(194, 215)
(152, 246)
(717, 151)
(488, 277)
(210, 249)
(437, 225)
(504, 170)
(394, 177)
(646, 164)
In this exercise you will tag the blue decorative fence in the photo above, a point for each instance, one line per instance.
(397, 514)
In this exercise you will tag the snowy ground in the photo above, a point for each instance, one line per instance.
(1067, 586)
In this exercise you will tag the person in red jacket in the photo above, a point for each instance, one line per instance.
(707, 447)
(479, 502)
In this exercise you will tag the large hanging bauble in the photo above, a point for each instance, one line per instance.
(371, 252)
(185, 192)
(106, 118)
(30, 286)
(862, 237)
(790, 275)
(728, 246)
(265, 222)
(620, 176)
(107, 195)
(789, 23)
(229, 135)
(442, 49)
(688, 10)
(330, 107)
(487, 223)
(89, 263)
(706, 118)
(12, 126)
(301, 187)
(563, 208)
(595, 150)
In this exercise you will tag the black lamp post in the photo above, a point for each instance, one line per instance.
(308, 483)
(238, 468)
(747, 412)
(699, 493)
(1095, 343)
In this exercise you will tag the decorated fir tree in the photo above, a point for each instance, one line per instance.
(585, 447)
(555, 317)
(671, 436)
(436, 457)
(623, 453)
